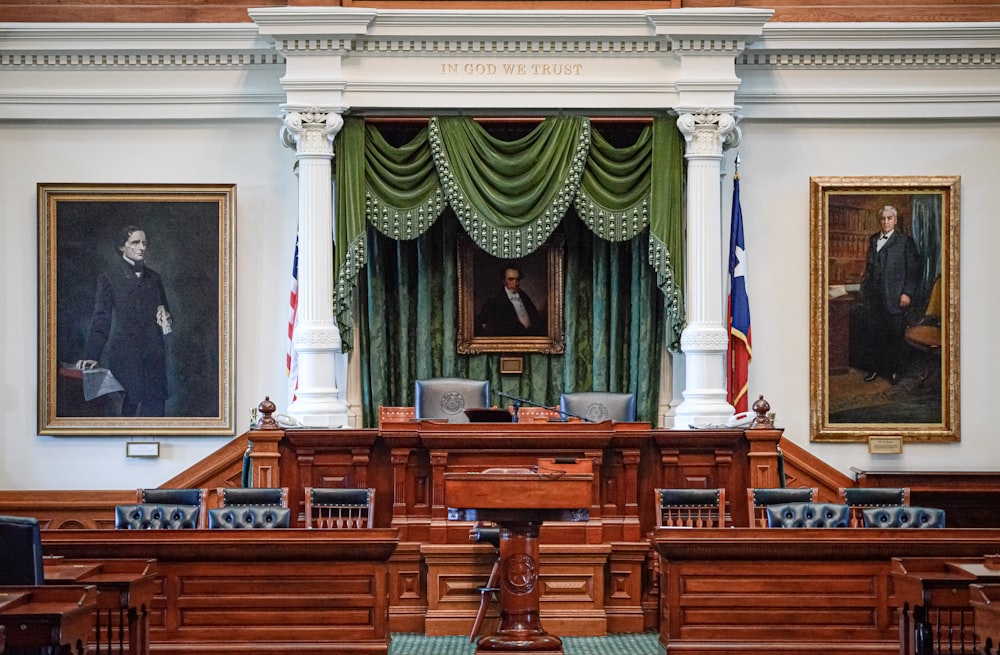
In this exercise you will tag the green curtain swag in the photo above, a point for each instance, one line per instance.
(510, 195)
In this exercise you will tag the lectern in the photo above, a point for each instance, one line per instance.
(519, 501)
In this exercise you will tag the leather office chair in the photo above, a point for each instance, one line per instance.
(20, 551)
(256, 496)
(691, 508)
(249, 517)
(759, 498)
(598, 406)
(157, 516)
(340, 508)
(862, 498)
(186, 496)
(448, 398)
(903, 517)
(808, 515)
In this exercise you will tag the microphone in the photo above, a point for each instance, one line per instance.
(517, 403)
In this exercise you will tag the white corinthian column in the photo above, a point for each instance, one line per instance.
(311, 132)
(705, 339)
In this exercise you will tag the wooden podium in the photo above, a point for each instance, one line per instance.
(519, 501)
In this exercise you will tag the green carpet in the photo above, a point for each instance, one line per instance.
(619, 644)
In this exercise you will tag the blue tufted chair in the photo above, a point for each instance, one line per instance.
(599, 405)
(448, 398)
(249, 516)
(690, 508)
(154, 516)
(862, 498)
(180, 496)
(808, 515)
(903, 517)
(21, 548)
(340, 507)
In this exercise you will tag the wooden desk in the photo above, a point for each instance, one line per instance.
(125, 589)
(219, 592)
(518, 502)
(985, 601)
(744, 591)
(933, 598)
(56, 618)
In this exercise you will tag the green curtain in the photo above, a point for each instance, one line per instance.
(408, 321)
(623, 216)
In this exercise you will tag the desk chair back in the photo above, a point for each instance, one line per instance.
(862, 498)
(250, 496)
(190, 496)
(599, 406)
(691, 508)
(340, 508)
(20, 551)
(760, 497)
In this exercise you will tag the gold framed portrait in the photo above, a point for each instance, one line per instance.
(884, 305)
(135, 305)
(511, 305)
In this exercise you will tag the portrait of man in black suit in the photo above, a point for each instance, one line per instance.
(889, 286)
(510, 312)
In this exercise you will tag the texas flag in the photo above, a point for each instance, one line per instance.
(740, 350)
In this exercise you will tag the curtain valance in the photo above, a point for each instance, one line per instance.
(510, 195)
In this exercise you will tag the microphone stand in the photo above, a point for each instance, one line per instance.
(518, 401)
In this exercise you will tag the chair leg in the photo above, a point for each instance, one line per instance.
(485, 594)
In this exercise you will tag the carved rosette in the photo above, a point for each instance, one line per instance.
(311, 131)
(709, 132)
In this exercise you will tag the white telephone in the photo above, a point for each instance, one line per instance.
(286, 421)
(741, 420)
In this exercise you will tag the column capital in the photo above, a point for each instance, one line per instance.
(709, 131)
(311, 131)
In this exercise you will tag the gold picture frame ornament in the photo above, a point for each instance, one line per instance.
(135, 315)
(884, 335)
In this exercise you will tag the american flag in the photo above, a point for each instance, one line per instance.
(292, 357)
(740, 351)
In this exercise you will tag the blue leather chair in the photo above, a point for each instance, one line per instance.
(759, 498)
(906, 516)
(808, 515)
(249, 517)
(155, 516)
(257, 496)
(598, 406)
(21, 548)
(448, 398)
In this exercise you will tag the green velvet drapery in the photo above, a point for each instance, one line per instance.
(508, 196)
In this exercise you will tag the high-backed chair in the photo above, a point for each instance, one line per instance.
(157, 516)
(808, 515)
(255, 496)
(186, 496)
(906, 516)
(599, 406)
(20, 551)
(448, 398)
(339, 508)
(249, 516)
(691, 508)
(862, 498)
(759, 498)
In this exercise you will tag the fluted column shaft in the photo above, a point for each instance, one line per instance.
(705, 338)
(317, 338)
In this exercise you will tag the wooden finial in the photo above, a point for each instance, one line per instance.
(761, 407)
(266, 409)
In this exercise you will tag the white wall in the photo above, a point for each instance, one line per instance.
(816, 120)
(244, 152)
(777, 160)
